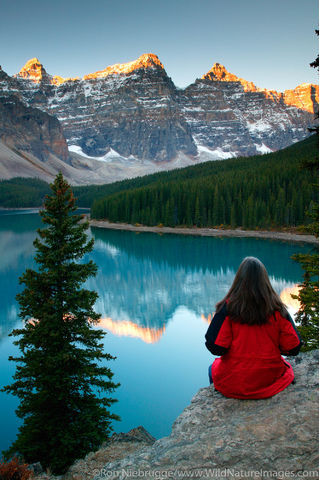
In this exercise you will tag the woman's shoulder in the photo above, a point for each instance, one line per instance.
(281, 315)
(220, 312)
(221, 306)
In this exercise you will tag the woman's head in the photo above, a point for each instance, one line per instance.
(251, 298)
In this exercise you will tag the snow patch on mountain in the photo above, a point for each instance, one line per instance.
(259, 126)
(263, 148)
(217, 154)
(109, 156)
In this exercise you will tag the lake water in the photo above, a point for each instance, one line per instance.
(156, 294)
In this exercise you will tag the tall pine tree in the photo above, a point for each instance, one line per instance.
(308, 296)
(62, 386)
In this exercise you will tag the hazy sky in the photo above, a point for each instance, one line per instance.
(269, 42)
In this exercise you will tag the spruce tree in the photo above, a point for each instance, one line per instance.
(308, 314)
(63, 388)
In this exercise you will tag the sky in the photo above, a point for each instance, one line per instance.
(268, 42)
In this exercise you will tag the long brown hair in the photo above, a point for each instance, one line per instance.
(251, 298)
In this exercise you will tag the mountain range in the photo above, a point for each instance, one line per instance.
(130, 119)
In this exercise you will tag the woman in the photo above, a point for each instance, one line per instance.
(250, 331)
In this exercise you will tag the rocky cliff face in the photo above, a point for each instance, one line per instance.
(30, 130)
(223, 438)
(135, 110)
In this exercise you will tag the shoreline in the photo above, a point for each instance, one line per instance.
(208, 232)
(8, 209)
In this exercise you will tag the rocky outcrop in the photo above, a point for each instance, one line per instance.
(117, 447)
(32, 144)
(222, 437)
(135, 111)
(214, 432)
(29, 130)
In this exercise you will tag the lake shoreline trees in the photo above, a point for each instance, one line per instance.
(266, 192)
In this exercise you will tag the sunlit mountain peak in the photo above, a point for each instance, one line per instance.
(219, 73)
(34, 71)
(304, 96)
(57, 80)
(147, 60)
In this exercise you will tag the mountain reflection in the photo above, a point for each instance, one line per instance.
(148, 292)
(127, 328)
(16, 255)
(292, 303)
(207, 319)
(203, 253)
(143, 279)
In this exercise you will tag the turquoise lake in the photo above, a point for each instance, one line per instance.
(156, 295)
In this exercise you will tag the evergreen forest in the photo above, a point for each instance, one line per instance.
(22, 192)
(265, 191)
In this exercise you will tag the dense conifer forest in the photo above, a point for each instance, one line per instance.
(22, 192)
(262, 191)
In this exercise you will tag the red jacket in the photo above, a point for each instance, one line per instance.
(251, 365)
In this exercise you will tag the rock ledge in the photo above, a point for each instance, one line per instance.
(218, 437)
